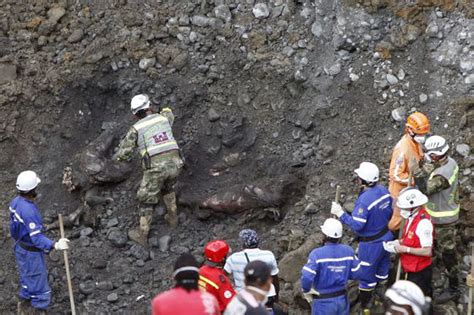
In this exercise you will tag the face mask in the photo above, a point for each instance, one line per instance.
(405, 214)
(419, 139)
(427, 158)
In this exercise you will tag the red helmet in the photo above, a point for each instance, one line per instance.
(216, 251)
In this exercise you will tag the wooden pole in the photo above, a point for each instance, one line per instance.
(469, 305)
(338, 193)
(66, 264)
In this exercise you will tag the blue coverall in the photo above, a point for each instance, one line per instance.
(26, 227)
(327, 271)
(372, 211)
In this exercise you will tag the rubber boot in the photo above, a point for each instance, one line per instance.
(140, 235)
(172, 211)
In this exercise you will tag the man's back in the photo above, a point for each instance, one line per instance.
(236, 263)
(245, 303)
(178, 301)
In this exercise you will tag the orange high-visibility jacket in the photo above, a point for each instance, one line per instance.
(405, 150)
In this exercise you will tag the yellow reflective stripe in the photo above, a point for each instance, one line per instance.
(146, 123)
(172, 144)
(453, 177)
(442, 214)
(212, 284)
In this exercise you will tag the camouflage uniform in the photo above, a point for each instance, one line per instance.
(446, 235)
(160, 172)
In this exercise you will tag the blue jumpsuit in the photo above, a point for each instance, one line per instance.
(327, 271)
(26, 227)
(372, 211)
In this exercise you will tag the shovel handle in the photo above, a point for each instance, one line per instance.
(338, 194)
(66, 265)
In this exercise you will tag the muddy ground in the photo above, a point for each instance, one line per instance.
(286, 95)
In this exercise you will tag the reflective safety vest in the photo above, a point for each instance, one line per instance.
(154, 135)
(214, 281)
(414, 263)
(444, 206)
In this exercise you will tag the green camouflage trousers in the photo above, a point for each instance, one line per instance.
(159, 178)
(446, 251)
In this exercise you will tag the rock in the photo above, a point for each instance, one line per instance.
(469, 80)
(212, 115)
(117, 238)
(200, 20)
(261, 11)
(146, 63)
(222, 12)
(94, 58)
(87, 287)
(423, 98)
(112, 222)
(105, 285)
(112, 297)
(76, 36)
(297, 257)
(56, 13)
(311, 209)
(317, 29)
(180, 61)
(139, 252)
(334, 69)
(164, 243)
(463, 149)
(391, 79)
(86, 232)
(401, 74)
(398, 114)
(354, 77)
(8, 73)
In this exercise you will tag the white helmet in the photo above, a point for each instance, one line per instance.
(27, 181)
(139, 102)
(405, 292)
(436, 145)
(411, 198)
(332, 228)
(368, 172)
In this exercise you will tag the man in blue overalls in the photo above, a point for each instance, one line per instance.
(369, 221)
(30, 245)
(325, 275)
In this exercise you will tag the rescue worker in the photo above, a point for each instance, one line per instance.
(369, 219)
(26, 229)
(211, 275)
(251, 300)
(406, 298)
(415, 246)
(236, 263)
(325, 275)
(406, 155)
(186, 297)
(161, 163)
(440, 182)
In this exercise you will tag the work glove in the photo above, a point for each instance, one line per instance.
(390, 246)
(62, 244)
(470, 281)
(308, 297)
(336, 209)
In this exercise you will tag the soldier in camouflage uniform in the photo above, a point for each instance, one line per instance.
(161, 163)
(439, 181)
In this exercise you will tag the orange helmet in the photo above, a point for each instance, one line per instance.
(216, 251)
(418, 123)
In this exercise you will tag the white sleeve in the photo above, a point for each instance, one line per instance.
(274, 270)
(424, 231)
(228, 265)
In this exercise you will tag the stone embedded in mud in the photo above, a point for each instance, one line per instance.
(212, 115)
(8, 73)
(423, 98)
(87, 287)
(463, 149)
(164, 243)
(391, 79)
(261, 11)
(117, 238)
(317, 29)
(146, 63)
(56, 13)
(112, 297)
(76, 36)
(222, 12)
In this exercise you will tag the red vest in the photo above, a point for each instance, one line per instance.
(413, 263)
(214, 281)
